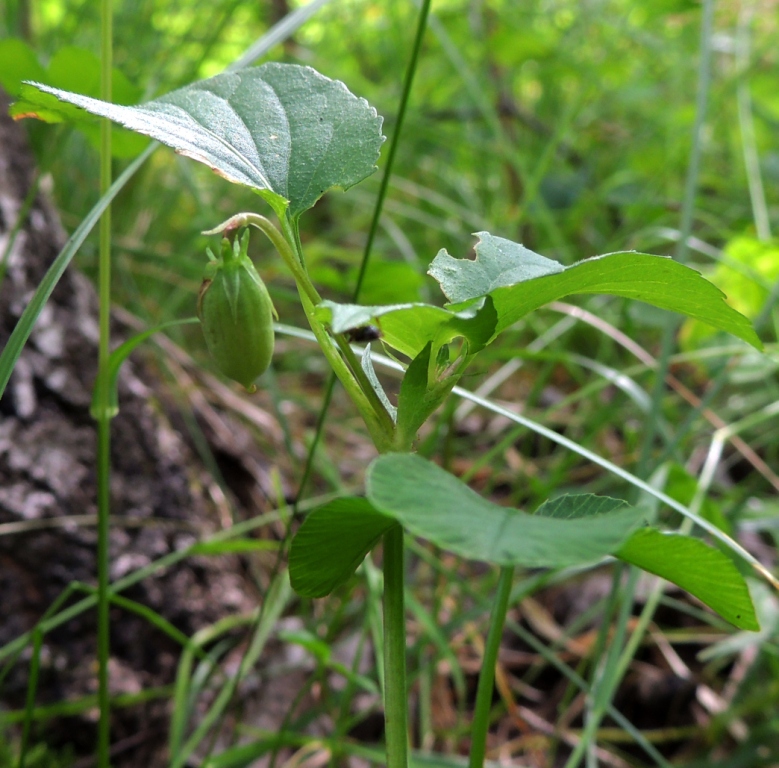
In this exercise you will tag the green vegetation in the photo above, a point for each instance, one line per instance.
(616, 130)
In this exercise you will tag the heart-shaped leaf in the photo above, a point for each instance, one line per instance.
(435, 505)
(703, 571)
(287, 131)
(520, 281)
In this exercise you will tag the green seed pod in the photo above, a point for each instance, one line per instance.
(236, 314)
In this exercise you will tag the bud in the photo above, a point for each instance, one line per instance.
(236, 314)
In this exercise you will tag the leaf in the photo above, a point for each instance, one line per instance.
(73, 67)
(747, 271)
(284, 130)
(435, 505)
(499, 262)
(703, 571)
(388, 282)
(409, 327)
(655, 280)
(332, 542)
(512, 281)
(579, 505)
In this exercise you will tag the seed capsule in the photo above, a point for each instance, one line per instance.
(236, 314)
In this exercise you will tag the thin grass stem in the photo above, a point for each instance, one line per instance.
(102, 400)
(685, 228)
(747, 125)
(32, 689)
(408, 82)
(481, 712)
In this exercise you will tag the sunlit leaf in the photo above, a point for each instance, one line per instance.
(18, 62)
(748, 269)
(282, 129)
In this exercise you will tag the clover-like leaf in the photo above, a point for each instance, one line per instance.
(703, 571)
(431, 503)
(284, 130)
(332, 542)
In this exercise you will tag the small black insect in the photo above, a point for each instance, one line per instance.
(363, 333)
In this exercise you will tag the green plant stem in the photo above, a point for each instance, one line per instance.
(377, 421)
(481, 713)
(747, 124)
(103, 406)
(318, 432)
(381, 429)
(378, 208)
(395, 698)
(103, 598)
(408, 82)
(32, 688)
(352, 376)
